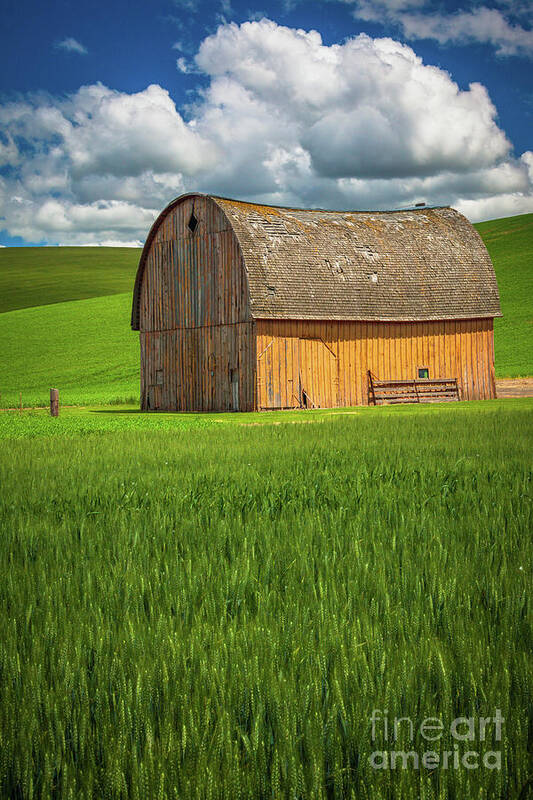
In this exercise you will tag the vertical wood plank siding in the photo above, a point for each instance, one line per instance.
(201, 349)
(196, 329)
(330, 360)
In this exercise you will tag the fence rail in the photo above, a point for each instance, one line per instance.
(423, 390)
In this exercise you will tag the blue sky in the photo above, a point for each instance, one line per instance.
(109, 110)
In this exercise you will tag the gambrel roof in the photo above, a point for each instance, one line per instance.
(420, 264)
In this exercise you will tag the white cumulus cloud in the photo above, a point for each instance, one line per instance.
(483, 24)
(361, 124)
(281, 118)
(99, 161)
(369, 108)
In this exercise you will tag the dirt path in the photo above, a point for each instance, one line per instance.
(514, 387)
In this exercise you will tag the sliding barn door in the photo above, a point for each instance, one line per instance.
(297, 372)
(278, 373)
(319, 379)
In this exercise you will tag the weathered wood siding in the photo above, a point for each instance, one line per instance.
(226, 312)
(197, 346)
(330, 360)
(191, 369)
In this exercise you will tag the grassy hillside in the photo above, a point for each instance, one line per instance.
(216, 613)
(35, 276)
(510, 244)
(87, 349)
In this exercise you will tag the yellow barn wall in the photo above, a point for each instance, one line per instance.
(331, 359)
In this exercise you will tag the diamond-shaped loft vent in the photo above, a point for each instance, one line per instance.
(193, 223)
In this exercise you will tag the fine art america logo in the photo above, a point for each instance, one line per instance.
(432, 744)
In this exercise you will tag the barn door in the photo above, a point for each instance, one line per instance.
(297, 372)
(277, 373)
(318, 376)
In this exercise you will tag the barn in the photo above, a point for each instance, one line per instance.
(250, 307)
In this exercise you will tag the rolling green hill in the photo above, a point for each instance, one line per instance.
(510, 244)
(36, 276)
(85, 345)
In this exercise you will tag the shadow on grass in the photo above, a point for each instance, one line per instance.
(119, 411)
(144, 413)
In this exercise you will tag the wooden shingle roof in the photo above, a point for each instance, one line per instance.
(400, 265)
(421, 264)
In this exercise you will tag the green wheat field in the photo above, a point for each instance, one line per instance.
(216, 612)
(214, 607)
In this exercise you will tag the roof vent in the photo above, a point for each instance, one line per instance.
(373, 277)
(193, 223)
(271, 291)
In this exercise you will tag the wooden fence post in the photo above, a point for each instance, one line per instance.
(54, 402)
